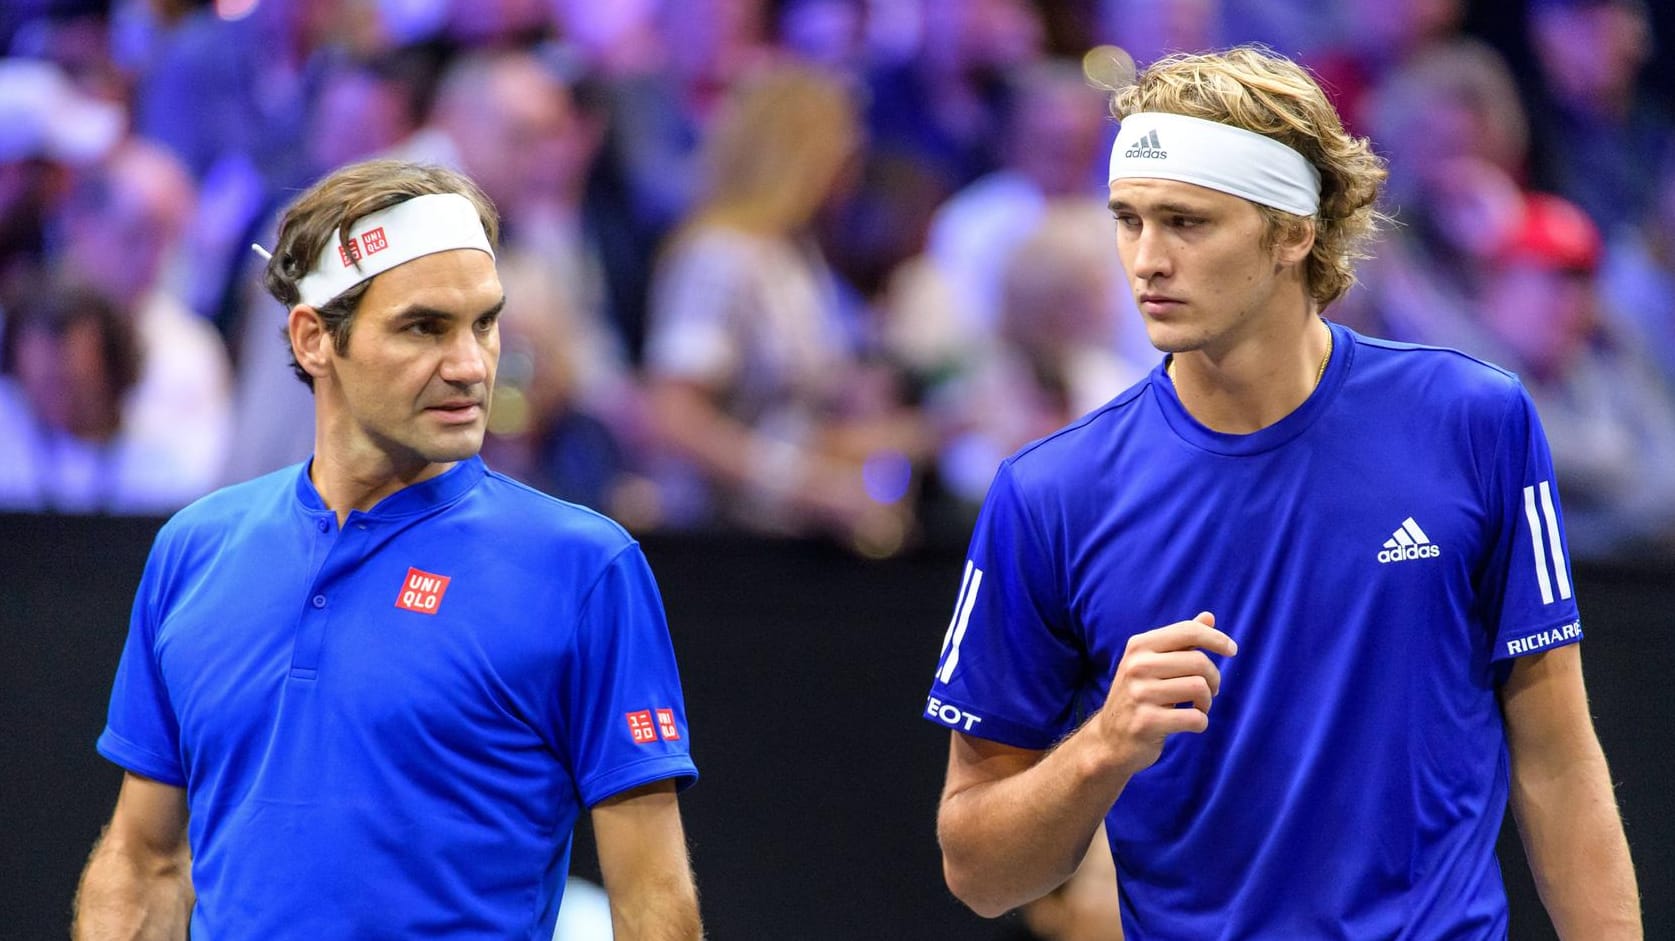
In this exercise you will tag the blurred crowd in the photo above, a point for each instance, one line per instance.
(803, 267)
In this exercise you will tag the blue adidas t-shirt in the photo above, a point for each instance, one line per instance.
(387, 730)
(1379, 555)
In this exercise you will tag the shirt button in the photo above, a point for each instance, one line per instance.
(324, 525)
(319, 601)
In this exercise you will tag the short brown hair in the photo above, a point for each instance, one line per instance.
(1254, 88)
(331, 207)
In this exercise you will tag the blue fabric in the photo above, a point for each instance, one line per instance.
(359, 769)
(1354, 775)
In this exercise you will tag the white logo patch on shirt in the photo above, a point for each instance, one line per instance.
(1408, 542)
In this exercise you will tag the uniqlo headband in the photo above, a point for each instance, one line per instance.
(1156, 145)
(379, 241)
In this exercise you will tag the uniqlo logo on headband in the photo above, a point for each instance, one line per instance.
(375, 241)
(349, 254)
(666, 725)
(641, 728)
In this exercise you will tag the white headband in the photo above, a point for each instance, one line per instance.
(423, 225)
(1156, 145)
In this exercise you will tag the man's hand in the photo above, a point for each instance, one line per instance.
(1015, 823)
(1161, 671)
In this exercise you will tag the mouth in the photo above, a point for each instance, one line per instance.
(1158, 303)
(457, 413)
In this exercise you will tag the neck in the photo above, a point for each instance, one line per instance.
(357, 476)
(1255, 381)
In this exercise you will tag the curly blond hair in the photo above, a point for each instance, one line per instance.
(1259, 90)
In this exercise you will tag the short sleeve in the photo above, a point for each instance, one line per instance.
(1010, 665)
(141, 732)
(625, 717)
(1528, 588)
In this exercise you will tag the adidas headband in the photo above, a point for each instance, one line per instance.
(1156, 145)
(379, 241)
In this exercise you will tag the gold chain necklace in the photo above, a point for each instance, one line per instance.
(1318, 373)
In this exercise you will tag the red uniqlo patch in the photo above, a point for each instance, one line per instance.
(349, 255)
(639, 726)
(666, 725)
(374, 241)
(422, 592)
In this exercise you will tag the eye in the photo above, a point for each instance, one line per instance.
(1185, 222)
(422, 328)
(486, 323)
(1128, 220)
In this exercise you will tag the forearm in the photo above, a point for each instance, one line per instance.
(667, 911)
(133, 897)
(1573, 838)
(1010, 841)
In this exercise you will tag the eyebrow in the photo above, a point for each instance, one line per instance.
(417, 312)
(1118, 205)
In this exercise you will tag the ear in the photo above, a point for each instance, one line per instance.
(1295, 243)
(311, 344)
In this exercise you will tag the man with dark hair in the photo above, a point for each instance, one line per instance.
(369, 695)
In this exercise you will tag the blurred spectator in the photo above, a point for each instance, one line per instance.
(121, 233)
(1055, 145)
(210, 87)
(943, 105)
(752, 368)
(69, 361)
(1603, 139)
(1450, 123)
(1377, 39)
(48, 128)
(1054, 355)
(75, 36)
(1638, 279)
(659, 112)
(1610, 420)
(934, 122)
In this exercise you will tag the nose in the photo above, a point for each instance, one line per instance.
(1151, 255)
(465, 362)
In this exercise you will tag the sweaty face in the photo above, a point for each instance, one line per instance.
(1196, 264)
(413, 388)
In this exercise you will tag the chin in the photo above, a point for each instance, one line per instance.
(454, 447)
(1170, 341)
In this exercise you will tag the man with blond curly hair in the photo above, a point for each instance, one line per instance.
(1353, 548)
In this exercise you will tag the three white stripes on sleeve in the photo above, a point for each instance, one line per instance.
(1550, 546)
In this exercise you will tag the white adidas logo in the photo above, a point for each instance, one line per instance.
(1408, 542)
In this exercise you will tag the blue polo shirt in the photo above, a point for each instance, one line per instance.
(1379, 555)
(387, 730)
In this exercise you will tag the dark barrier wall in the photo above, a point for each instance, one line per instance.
(804, 670)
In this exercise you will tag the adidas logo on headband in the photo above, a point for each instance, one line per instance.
(1148, 147)
(1216, 156)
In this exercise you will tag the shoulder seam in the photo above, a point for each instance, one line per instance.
(550, 499)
